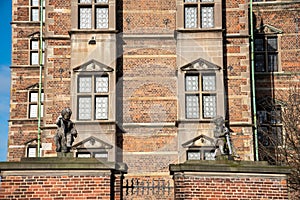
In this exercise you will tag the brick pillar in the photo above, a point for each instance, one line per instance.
(229, 180)
(61, 178)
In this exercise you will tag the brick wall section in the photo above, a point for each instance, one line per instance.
(193, 187)
(55, 178)
(229, 180)
(55, 187)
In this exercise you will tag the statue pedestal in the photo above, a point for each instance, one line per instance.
(65, 155)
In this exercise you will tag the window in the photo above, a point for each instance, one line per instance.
(34, 52)
(92, 97)
(99, 155)
(200, 96)
(266, 54)
(33, 104)
(207, 153)
(35, 11)
(93, 14)
(270, 126)
(199, 14)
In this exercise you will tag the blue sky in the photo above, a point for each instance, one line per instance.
(5, 62)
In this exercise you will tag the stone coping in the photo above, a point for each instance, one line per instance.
(63, 163)
(228, 167)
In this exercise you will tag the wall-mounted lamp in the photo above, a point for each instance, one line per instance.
(166, 22)
(92, 40)
(60, 71)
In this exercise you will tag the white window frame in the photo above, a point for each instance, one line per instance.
(94, 6)
(35, 7)
(199, 6)
(199, 92)
(93, 95)
(33, 104)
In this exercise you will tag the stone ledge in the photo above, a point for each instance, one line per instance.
(228, 167)
(62, 163)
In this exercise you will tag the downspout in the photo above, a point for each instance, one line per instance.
(253, 83)
(40, 78)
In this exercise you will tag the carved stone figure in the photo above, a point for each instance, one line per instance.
(66, 131)
(222, 139)
(220, 132)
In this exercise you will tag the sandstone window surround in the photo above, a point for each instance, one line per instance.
(200, 96)
(93, 14)
(33, 104)
(198, 13)
(35, 10)
(34, 52)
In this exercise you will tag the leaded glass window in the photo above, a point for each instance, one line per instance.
(200, 96)
(266, 53)
(84, 108)
(93, 14)
(192, 106)
(34, 52)
(102, 107)
(199, 13)
(93, 97)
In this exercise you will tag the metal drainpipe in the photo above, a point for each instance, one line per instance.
(40, 78)
(253, 82)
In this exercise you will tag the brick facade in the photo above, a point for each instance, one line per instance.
(148, 52)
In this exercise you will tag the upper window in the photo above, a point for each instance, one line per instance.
(33, 104)
(266, 53)
(35, 10)
(34, 52)
(93, 97)
(200, 96)
(93, 14)
(199, 13)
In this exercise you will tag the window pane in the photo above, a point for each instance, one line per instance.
(190, 1)
(208, 83)
(34, 44)
(191, 83)
(207, 0)
(101, 84)
(35, 2)
(101, 107)
(34, 58)
(272, 63)
(85, 84)
(209, 155)
(84, 108)
(207, 17)
(272, 44)
(35, 14)
(259, 45)
(85, 1)
(101, 155)
(102, 18)
(83, 155)
(192, 106)
(209, 106)
(101, 1)
(33, 111)
(33, 97)
(259, 63)
(85, 18)
(194, 155)
(31, 152)
(190, 15)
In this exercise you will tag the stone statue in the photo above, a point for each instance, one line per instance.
(66, 131)
(222, 138)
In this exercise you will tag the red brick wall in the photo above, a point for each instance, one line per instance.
(205, 187)
(60, 187)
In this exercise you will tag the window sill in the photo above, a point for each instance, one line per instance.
(76, 31)
(196, 30)
(182, 121)
(94, 122)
